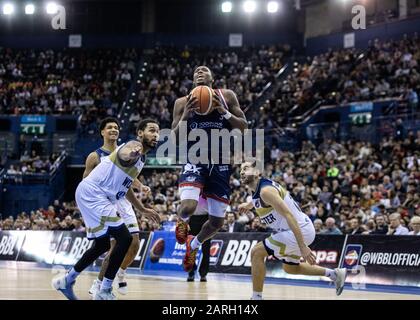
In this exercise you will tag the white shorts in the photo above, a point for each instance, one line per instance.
(98, 212)
(214, 207)
(126, 212)
(283, 245)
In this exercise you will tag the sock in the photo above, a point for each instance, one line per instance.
(106, 284)
(195, 243)
(256, 295)
(121, 275)
(330, 273)
(71, 275)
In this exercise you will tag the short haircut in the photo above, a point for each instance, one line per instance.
(415, 219)
(143, 123)
(395, 215)
(107, 120)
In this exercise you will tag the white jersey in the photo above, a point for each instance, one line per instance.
(271, 217)
(112, 177)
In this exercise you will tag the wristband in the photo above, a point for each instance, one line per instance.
(227, 115)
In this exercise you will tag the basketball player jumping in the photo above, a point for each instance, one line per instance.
(96, 198)
(293, 232)
(146, 134)
(209, 179)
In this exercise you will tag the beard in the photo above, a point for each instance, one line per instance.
(149, 143)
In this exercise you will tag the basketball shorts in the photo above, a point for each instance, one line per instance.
(125, 210)
(98, 212)
(283, 245)
(212, 182)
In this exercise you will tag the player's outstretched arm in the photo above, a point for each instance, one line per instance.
(91, 162)
(271, 196)
(130, 151)
(148, 213)
(235, 115)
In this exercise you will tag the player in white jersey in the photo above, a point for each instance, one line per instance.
(293, 232)
(96, 197)
(109, 129)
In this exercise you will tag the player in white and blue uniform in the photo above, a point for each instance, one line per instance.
(97, 196)
(109, 129)
(293, 232)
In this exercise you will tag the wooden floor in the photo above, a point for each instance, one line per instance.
(34, 283)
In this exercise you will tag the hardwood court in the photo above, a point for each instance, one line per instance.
(21, 282)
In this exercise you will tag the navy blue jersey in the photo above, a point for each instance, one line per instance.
(213, 120)
(102, 153)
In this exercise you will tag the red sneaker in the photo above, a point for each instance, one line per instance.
(189, 258)
(181, 231)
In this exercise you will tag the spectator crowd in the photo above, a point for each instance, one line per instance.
(345, 188)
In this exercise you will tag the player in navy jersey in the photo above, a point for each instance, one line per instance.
(210, 179)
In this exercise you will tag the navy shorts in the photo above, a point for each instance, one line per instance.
(212, 179)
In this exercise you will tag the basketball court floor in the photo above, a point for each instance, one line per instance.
(29, 281)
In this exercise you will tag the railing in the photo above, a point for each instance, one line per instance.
(376, 130)
(35, 178)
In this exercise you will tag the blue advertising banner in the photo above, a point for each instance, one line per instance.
(164, 253)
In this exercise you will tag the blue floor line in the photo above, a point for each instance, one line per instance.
(245, 278)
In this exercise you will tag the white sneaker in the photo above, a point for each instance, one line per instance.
(104, 294)
(60, 283)
(122, 288)
(341, 279)
(96, 286)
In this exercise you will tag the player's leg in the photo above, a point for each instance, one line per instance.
(96, 285)
(189, 194)
(128, 260)
(205, 250)
(217, 191)
(191, 182)
(96, 211)
(283, 245)
(216, 220)
(258, 270)
(123, 240)
(129, 217)
(194, 229)
(65, 283)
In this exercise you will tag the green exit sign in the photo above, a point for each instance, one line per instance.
(32, 129)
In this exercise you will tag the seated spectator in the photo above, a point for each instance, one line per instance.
(231, 225)
(256, 226)
(381, 227)
(395, 227)
(318, 224)
(78, 225)
(415, 225)
(331, 228)
(356, 227)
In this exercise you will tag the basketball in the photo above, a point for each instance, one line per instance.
(157, 250)
(204, 96)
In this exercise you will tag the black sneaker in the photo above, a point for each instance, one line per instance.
(203, 279)
(190, 278)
